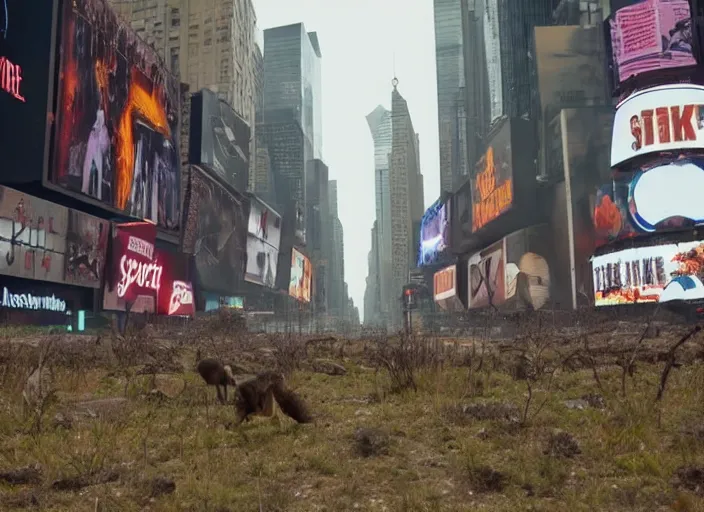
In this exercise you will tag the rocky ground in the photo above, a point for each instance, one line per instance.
(550, 420)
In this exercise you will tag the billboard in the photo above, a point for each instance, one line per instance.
(215, 232)
(662, 118)
(434, 233)
(117, 118)
(219, 139)
(263, 239)
(658, 273)
(492, 181)
(301, 276)
(485, 277)
(570, 63)
(650, 35)
(45, 241)
(135, 271)
(27, 35)
(445, 289)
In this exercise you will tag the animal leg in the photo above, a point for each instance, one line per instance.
(225, 391)
(222, 401)
(267, 404)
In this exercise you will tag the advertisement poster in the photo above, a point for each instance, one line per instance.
(492, 188)
(651, 35)
(486, 277)
(136, 272)
(445, 289)
(215, 233)
(570, 61)
(301, 277)
(526, 268)
(263, 238)
(650, 199)
(659, 273)
(662, 118)
(434, 233)
(117, 129)
(45, 241)
(219, 139)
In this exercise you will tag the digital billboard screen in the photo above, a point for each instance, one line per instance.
(434, 233)
(445, 289)
(263, 239)
(650, 199)
(301, 276)
(117, 118)
(486, 277)
(665, 118)
(649, 35)
(45, 241)
(492, 181)
(219, 139)
(27, 35)
(658, 273)
(215, 232)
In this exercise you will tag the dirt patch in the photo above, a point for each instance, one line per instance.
(22, 476)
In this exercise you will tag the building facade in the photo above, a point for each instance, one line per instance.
(336, 297)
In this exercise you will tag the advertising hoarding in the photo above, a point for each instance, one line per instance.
(570, 63)
(27, 35)
(434, 233)
(492, 181)
(301, 276)
(658, 273)
(263, 239)
(45, 241)
(651, 35)
(219, 139)
(662, 118)
(486, 285)
(117, 129)
(215, 232)
(135, 270)
(445, 289)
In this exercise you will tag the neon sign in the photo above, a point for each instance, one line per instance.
(493, 200)
(29, 301)
(146, 275)
(11, 78)
(181, 295)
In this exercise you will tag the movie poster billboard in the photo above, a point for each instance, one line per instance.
(117, 120)
(263, 239)
(45, 241)
(27, 53)
(486, 277)
(651, 35)
(662, 118)
(215, 233)
(434, 233)
(301, 276)
(657, 273)
(219, 139)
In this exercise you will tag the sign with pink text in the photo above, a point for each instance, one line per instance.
(135, 272)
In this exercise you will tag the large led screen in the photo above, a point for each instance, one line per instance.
(219, 139)
(263, 239)
(445, 289)
(664, 195)
(492, 181)
(434, 233)
(117, 127)
(663, 118)
(659, 273)
(651, 35)
(301, 276)
(486, 277)
(215, 232)
(45, 241)
(26, 87)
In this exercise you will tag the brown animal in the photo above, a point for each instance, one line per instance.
(216, 374)
(256, 397)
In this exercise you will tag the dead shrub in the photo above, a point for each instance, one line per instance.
(403, 357)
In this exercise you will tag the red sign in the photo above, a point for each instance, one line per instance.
(11, 78)
(181, 299)
(136, 272)
(175, 294)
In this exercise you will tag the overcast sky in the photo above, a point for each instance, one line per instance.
(360, 41)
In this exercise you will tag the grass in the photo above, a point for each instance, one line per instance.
(437, 458)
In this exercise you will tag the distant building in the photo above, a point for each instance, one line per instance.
(337, 300)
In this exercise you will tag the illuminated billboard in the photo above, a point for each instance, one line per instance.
(46, 241)
(117, 118)
(215, 232)
(662, 118)
(570, 64)
(434, 233)
(301, 276)
(486, 277)
(445, 289)
(650, 35)
(263, 239)
(492, 181)
(27, 50)
(658, 273)
(219, 139)
(650, 199)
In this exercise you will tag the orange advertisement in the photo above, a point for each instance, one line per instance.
(444, 283)
(493, 195)
(300, 284)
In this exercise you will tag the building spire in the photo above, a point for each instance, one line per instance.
(394, 82)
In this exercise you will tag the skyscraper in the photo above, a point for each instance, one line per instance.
(452, 122)
(406, 192)
(337, 301)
